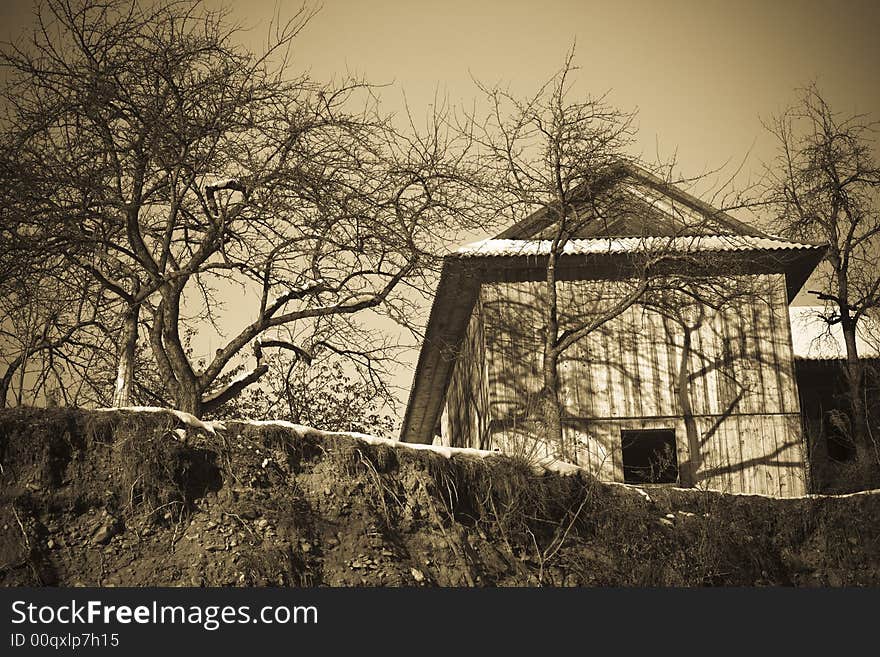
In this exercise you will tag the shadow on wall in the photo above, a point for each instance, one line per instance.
(690, 367)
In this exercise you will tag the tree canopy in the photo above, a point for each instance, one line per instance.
(169, 163)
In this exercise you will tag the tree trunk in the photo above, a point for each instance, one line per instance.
(22, 370)
(5, 382)
(189, 400)
(550, 408)
(181, 379)
(854, 379)
(125, 359)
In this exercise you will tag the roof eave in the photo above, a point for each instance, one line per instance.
(456, 295)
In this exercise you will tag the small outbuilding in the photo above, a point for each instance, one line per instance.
(703, 398)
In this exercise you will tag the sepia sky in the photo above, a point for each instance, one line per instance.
(701, 74)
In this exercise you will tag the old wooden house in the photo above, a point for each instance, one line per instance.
(699, 394)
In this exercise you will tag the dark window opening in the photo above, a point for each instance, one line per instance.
(649, 456)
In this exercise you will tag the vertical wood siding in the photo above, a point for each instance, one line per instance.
(746, 431)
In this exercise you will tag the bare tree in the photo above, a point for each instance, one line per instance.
(51, 320)
(823, 187)
(563, 163)
(550, 154)
(172, 165)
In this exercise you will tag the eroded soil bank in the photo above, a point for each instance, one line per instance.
(126, 498)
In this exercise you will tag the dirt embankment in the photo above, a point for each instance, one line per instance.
(122, 498)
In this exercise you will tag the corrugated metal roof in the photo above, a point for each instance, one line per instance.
(710, 243)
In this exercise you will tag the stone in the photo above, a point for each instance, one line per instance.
(104, 533)
(417, 574)
(249, 513)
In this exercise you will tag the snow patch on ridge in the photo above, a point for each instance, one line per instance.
(542, 465)
(187, 418)
(546, 464)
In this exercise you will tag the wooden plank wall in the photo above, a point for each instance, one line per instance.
(740, 368)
